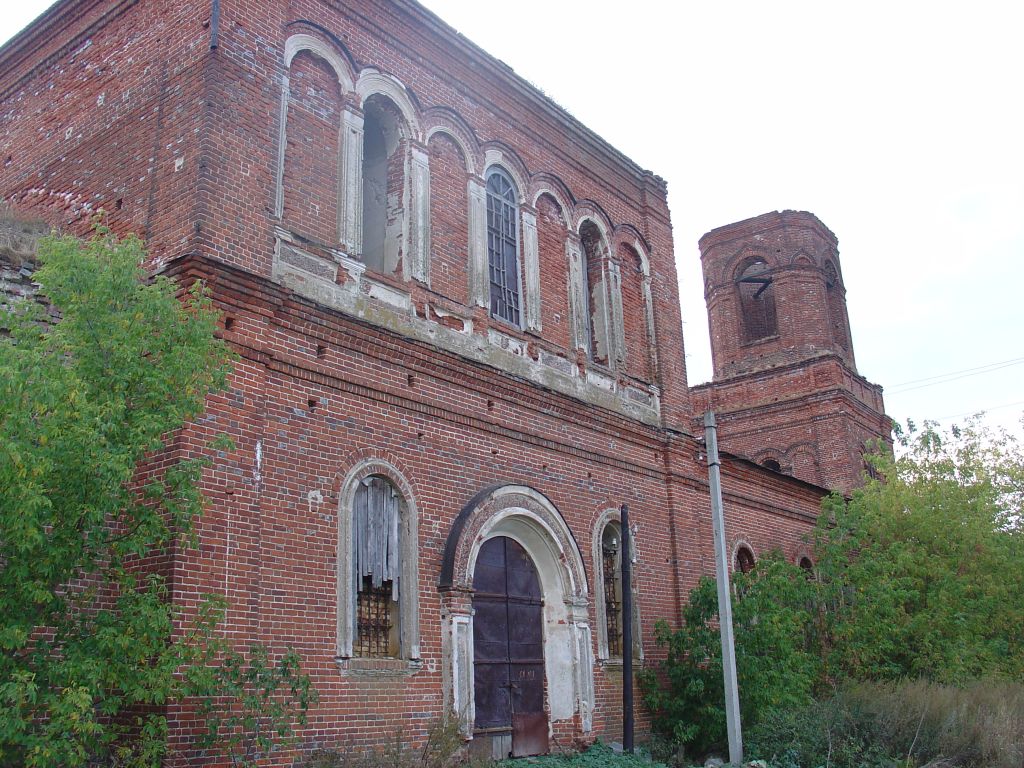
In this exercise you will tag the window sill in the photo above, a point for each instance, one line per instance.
(615, 663)
(762, 340)
(378, 668)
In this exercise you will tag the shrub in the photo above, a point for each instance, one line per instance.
(776, 657)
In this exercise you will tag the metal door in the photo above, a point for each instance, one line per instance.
(508, 647)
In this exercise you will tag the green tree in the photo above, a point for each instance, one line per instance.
(919, 574)
(922, 569)
(87, 653)
(777, 658)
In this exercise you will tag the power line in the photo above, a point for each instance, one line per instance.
(981, 410)
(945, 378)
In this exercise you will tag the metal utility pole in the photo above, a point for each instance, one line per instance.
(627, 632)
(732, 696)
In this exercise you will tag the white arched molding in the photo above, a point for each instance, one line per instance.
(408, 599)
(372, 81)
(530, 519)
(293, 46)
(546, 189)
(612, 516)
(303, 42)
(469, 152)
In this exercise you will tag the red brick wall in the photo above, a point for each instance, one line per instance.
(310, 180)
(634, 314)
(554, 266)
(449, 217)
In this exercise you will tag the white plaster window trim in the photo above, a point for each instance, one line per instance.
(612, 516)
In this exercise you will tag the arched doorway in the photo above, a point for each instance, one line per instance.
(531, 522)
(508, 648)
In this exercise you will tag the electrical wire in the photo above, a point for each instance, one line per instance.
(945, 378)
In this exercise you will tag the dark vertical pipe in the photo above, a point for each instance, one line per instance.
(627, 632)
(215, 24)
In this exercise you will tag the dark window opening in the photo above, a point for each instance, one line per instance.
(807, 566)
(383, 181)
(772, 464)
(744, 560)
(503, 247)
(757, 301)
(611, 571)
(595, 291)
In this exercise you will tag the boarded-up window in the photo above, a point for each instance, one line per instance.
(377, 515)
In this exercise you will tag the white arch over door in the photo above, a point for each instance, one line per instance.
(530, 519)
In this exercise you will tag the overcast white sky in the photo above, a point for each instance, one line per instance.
(899, 124)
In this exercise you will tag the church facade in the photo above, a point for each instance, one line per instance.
(460, 352)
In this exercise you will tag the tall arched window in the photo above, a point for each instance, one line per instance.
(503, 246)
(611, 579)
(595, 274)
(757, 301)
(377, 511)
(383, 171)
(378, 569)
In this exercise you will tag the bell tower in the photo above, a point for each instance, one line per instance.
(786, 388)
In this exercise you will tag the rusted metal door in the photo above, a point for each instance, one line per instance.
(508, 647)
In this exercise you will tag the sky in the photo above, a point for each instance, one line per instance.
(900, 124)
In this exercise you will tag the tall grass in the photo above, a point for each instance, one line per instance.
(914, 723)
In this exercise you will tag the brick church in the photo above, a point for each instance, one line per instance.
(460, 352)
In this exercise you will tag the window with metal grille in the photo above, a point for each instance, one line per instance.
(503, 247)
(376, 512)
(611, 566)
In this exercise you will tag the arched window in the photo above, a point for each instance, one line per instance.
(807, 566)
(744, 559)
(595, 284)
(377, 511)
(383, 189)
(757, 301)
(611, 580)
(772, 464)
(378, 569)
(503, 246)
